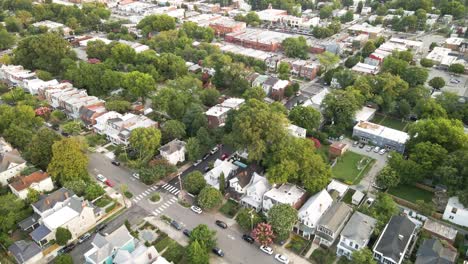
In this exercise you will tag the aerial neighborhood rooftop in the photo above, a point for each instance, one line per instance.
(173, 131)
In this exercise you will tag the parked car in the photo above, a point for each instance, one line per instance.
(266, 249)
(101, 178)
(224, 156)
(196, 209)
(355, 143)
(176, 225)
(186, 232)
(214, 150)
(66, 249)
(206, 156)
(65, 134)
(84, 237)
(218, 252)
(361, 145)
(221, 224)
(376, 149)
(206, 169)
(100, 227)
(369, 148)
(197, 162)
(136, 175)
(282, 258)
(248, 238)
(116, 163)
(382, 151)
(109, 183)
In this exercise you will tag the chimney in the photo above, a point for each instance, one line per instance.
(47, 201)
(23, 181)
(150, 256)
(320, 208)
(66, 195)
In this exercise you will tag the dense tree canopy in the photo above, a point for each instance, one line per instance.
(69, 162)
(282, 218)
(156, 23)
(295, 47)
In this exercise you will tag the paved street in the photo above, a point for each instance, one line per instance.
(230, 240)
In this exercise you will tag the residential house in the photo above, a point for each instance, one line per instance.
(120, 247)
(254, 192)
(456, 212)
(337, 149)
(118, 129)
(11, 164)
(277, 91)
(89, 114)
(285, 194)
(39, 181)
(269, 83)
(432, 251)
(62, 209)
(217, 114)
(173, 152)
(310, 213)
(225, 25)
(357, 197)
(439, 230)
(331, 223)
(220, 167)
(297, 131)
(53, 26)
(4, 146)
(15, 75)
(356, 234)
(101, 121)
(239, 182)
(33, 85)
(394, 242)
(25, 252)
(259, 80)
(381, 136)
(337, 187)
(365, 114)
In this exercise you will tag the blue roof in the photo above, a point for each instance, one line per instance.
(40, 233)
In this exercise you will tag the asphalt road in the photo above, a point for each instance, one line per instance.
(229, 240)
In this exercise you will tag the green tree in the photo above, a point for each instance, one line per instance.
(456, 68)
(44, 75)
(47, 52)
(368, 48)
(69, 162)
(98, 49)
(145, 140)
(57, 116)
(196, 254)
(203, 235)
(425, 207)
(63, 259)
(193, 149)
(415, 76)
(120, 106)
(340, 106)
(429, 108)
(328, 59)
(33, 196)
(363, 256)
(7, 40)
(383, 209)
(427, 63)
(263, 234)
(194, 182)
(72, 127)
(387, 178)
(77, 186)
(156, 170)
(344, 78)
(282, 218)
(256, 126)
(326, 11)
(428, 156)
(295, 47)
(139, 84)
(93, 190)
(156, 23)
(205, 139)
(10, 210)
(254, 93)
(123, 53)
(437, 83)
(248, 218)
(173, 129)
(394, 65)
(62, 235)
(351, 61)
(347, 17)
(39, 150)
(209, 97)
(284, 71)
(209, 198)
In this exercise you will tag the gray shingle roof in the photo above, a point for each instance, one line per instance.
(335, 215)
(10, 157)
(433, 252)
(359, 227)
(173, 146)
(24, 250)
(50, 200)
(29, 221)
(40, 233)
(397, 234)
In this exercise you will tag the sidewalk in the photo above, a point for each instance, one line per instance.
(166, 228)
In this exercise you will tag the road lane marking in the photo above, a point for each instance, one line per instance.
(176, 193)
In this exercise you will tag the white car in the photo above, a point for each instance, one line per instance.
(376, 149)
(136, 175)
(382, 151)
(266, 249)
(196, 209)
(213, 151)
(368, 148)
(101, 178)
(282, 258)
(197, 162)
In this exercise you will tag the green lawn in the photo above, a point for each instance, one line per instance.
(389, 122)
(411, 193)
(348, 198)
(297, 244)
(346, 168)
(230, 208)
(103, 201)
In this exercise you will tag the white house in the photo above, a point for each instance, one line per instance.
(11, 164)
(355, 234)
(331, 223)
(297, 131)
(15, 75)
(101, 121)
(174, 151)
(455, 212)
(254, 192)
(39, 181)
(118, 129)
(285, 194)
(33, 85)
(338, 187)
(311, 211)
(220, 167)
(4, 146)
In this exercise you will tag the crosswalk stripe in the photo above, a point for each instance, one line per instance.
(173, 199)
(168, 187)
(176, 193)
(147, 192)
(154, 188)
(167, 204)
(157, 211)
(163, 206)
(165, 185)
(155, 214)
(139, 196)
(171, 189)
(135, 200)
(175, 190)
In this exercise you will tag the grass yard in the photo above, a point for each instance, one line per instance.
(230, 208)
(389, 122)
(103, 201)
(174, 253)
(348, 198)
(297, 244)
(322, 256)
(411, 193)
(346, 168)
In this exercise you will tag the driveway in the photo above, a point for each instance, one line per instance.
(380, 162)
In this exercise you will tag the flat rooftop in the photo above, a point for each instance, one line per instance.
(382, 131)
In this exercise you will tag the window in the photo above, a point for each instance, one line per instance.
(451, 217)
(454, 210)
(356, 246)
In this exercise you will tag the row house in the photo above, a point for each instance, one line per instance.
(33, 85)
(331, 223)
(224, 25)
(89, 114)
(217, 114)
(118, 128)
(11, 165)
(253, 192)
(302, 68)
(310, 213)
(15, 75)
(285, 194)
(39, 181)
(356, 234)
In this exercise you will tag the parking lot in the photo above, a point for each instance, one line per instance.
(457, 84)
